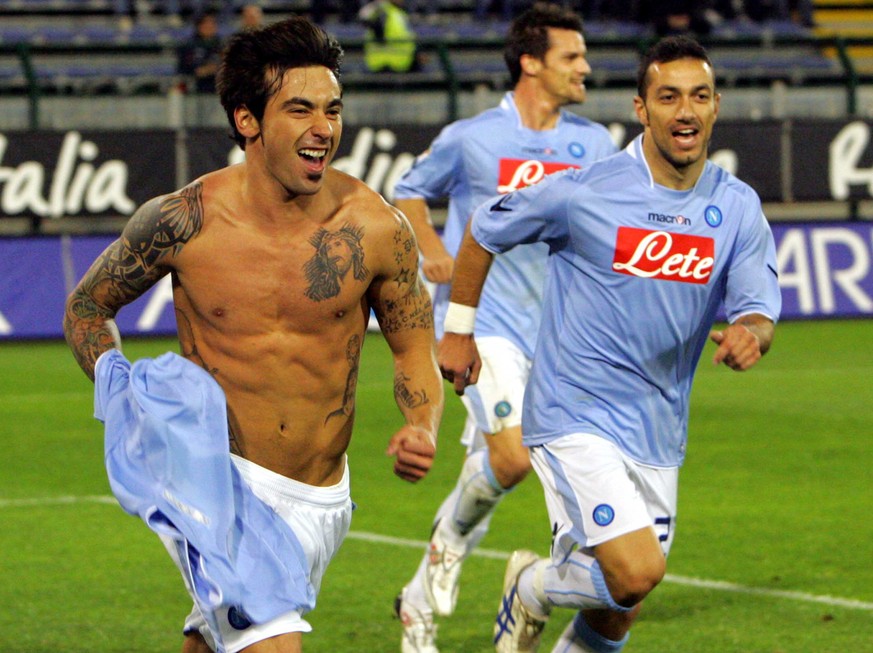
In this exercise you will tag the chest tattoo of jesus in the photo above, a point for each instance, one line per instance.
(336, 252)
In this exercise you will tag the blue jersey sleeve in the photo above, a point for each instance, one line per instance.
(752, 282)
(436, 171)
(533, 214)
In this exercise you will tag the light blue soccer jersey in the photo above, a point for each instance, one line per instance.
(493, 153)
(636, 275)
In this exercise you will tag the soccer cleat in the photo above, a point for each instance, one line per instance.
(442, 573)
(419, 631)
(516, 629)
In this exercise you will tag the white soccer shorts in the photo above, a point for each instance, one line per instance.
(494, 402)
(320, 518)
(595, 493)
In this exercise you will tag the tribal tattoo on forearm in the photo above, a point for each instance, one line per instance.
(127, 269)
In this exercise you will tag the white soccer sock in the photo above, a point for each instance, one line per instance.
(472, 487)
(416, 595)
(530, 589)
(478, 492)
(577, 583)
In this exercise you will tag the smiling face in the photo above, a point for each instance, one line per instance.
(300, 130)
(563, 68)
(678, 112)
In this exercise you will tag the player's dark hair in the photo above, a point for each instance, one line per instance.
(671, 48)
(528, 34)
(255, 61)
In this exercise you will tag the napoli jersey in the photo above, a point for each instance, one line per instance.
(637, 273)
(490, 154)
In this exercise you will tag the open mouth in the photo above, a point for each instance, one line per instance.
(312, 155)
(686, 136)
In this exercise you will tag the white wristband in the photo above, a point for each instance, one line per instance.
(459, 319)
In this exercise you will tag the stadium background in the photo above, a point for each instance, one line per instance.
(91, 124)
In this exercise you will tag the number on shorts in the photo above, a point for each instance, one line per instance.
(665, 522)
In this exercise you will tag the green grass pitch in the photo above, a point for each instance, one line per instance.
(773, 553)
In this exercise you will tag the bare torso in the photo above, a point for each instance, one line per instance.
(279, 322)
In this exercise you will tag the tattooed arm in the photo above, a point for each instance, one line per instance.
(127, 269)
(403, 309)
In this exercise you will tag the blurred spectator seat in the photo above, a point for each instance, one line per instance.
(852, 20)
(78, 46)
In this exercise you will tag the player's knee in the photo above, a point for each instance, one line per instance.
(632, 581)
(194, 643)
(511, 466)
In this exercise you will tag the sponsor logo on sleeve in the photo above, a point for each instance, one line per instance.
(662, 255)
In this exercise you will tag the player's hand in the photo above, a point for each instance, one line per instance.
(738, 347)
(459, 360)
(438, 269)
(414, 449)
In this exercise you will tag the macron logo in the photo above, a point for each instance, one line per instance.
(661, 255)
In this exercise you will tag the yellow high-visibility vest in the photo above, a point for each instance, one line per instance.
(397, 51)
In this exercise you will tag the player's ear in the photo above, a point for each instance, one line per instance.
(246, 123)
(641, 111)
(530, 65)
